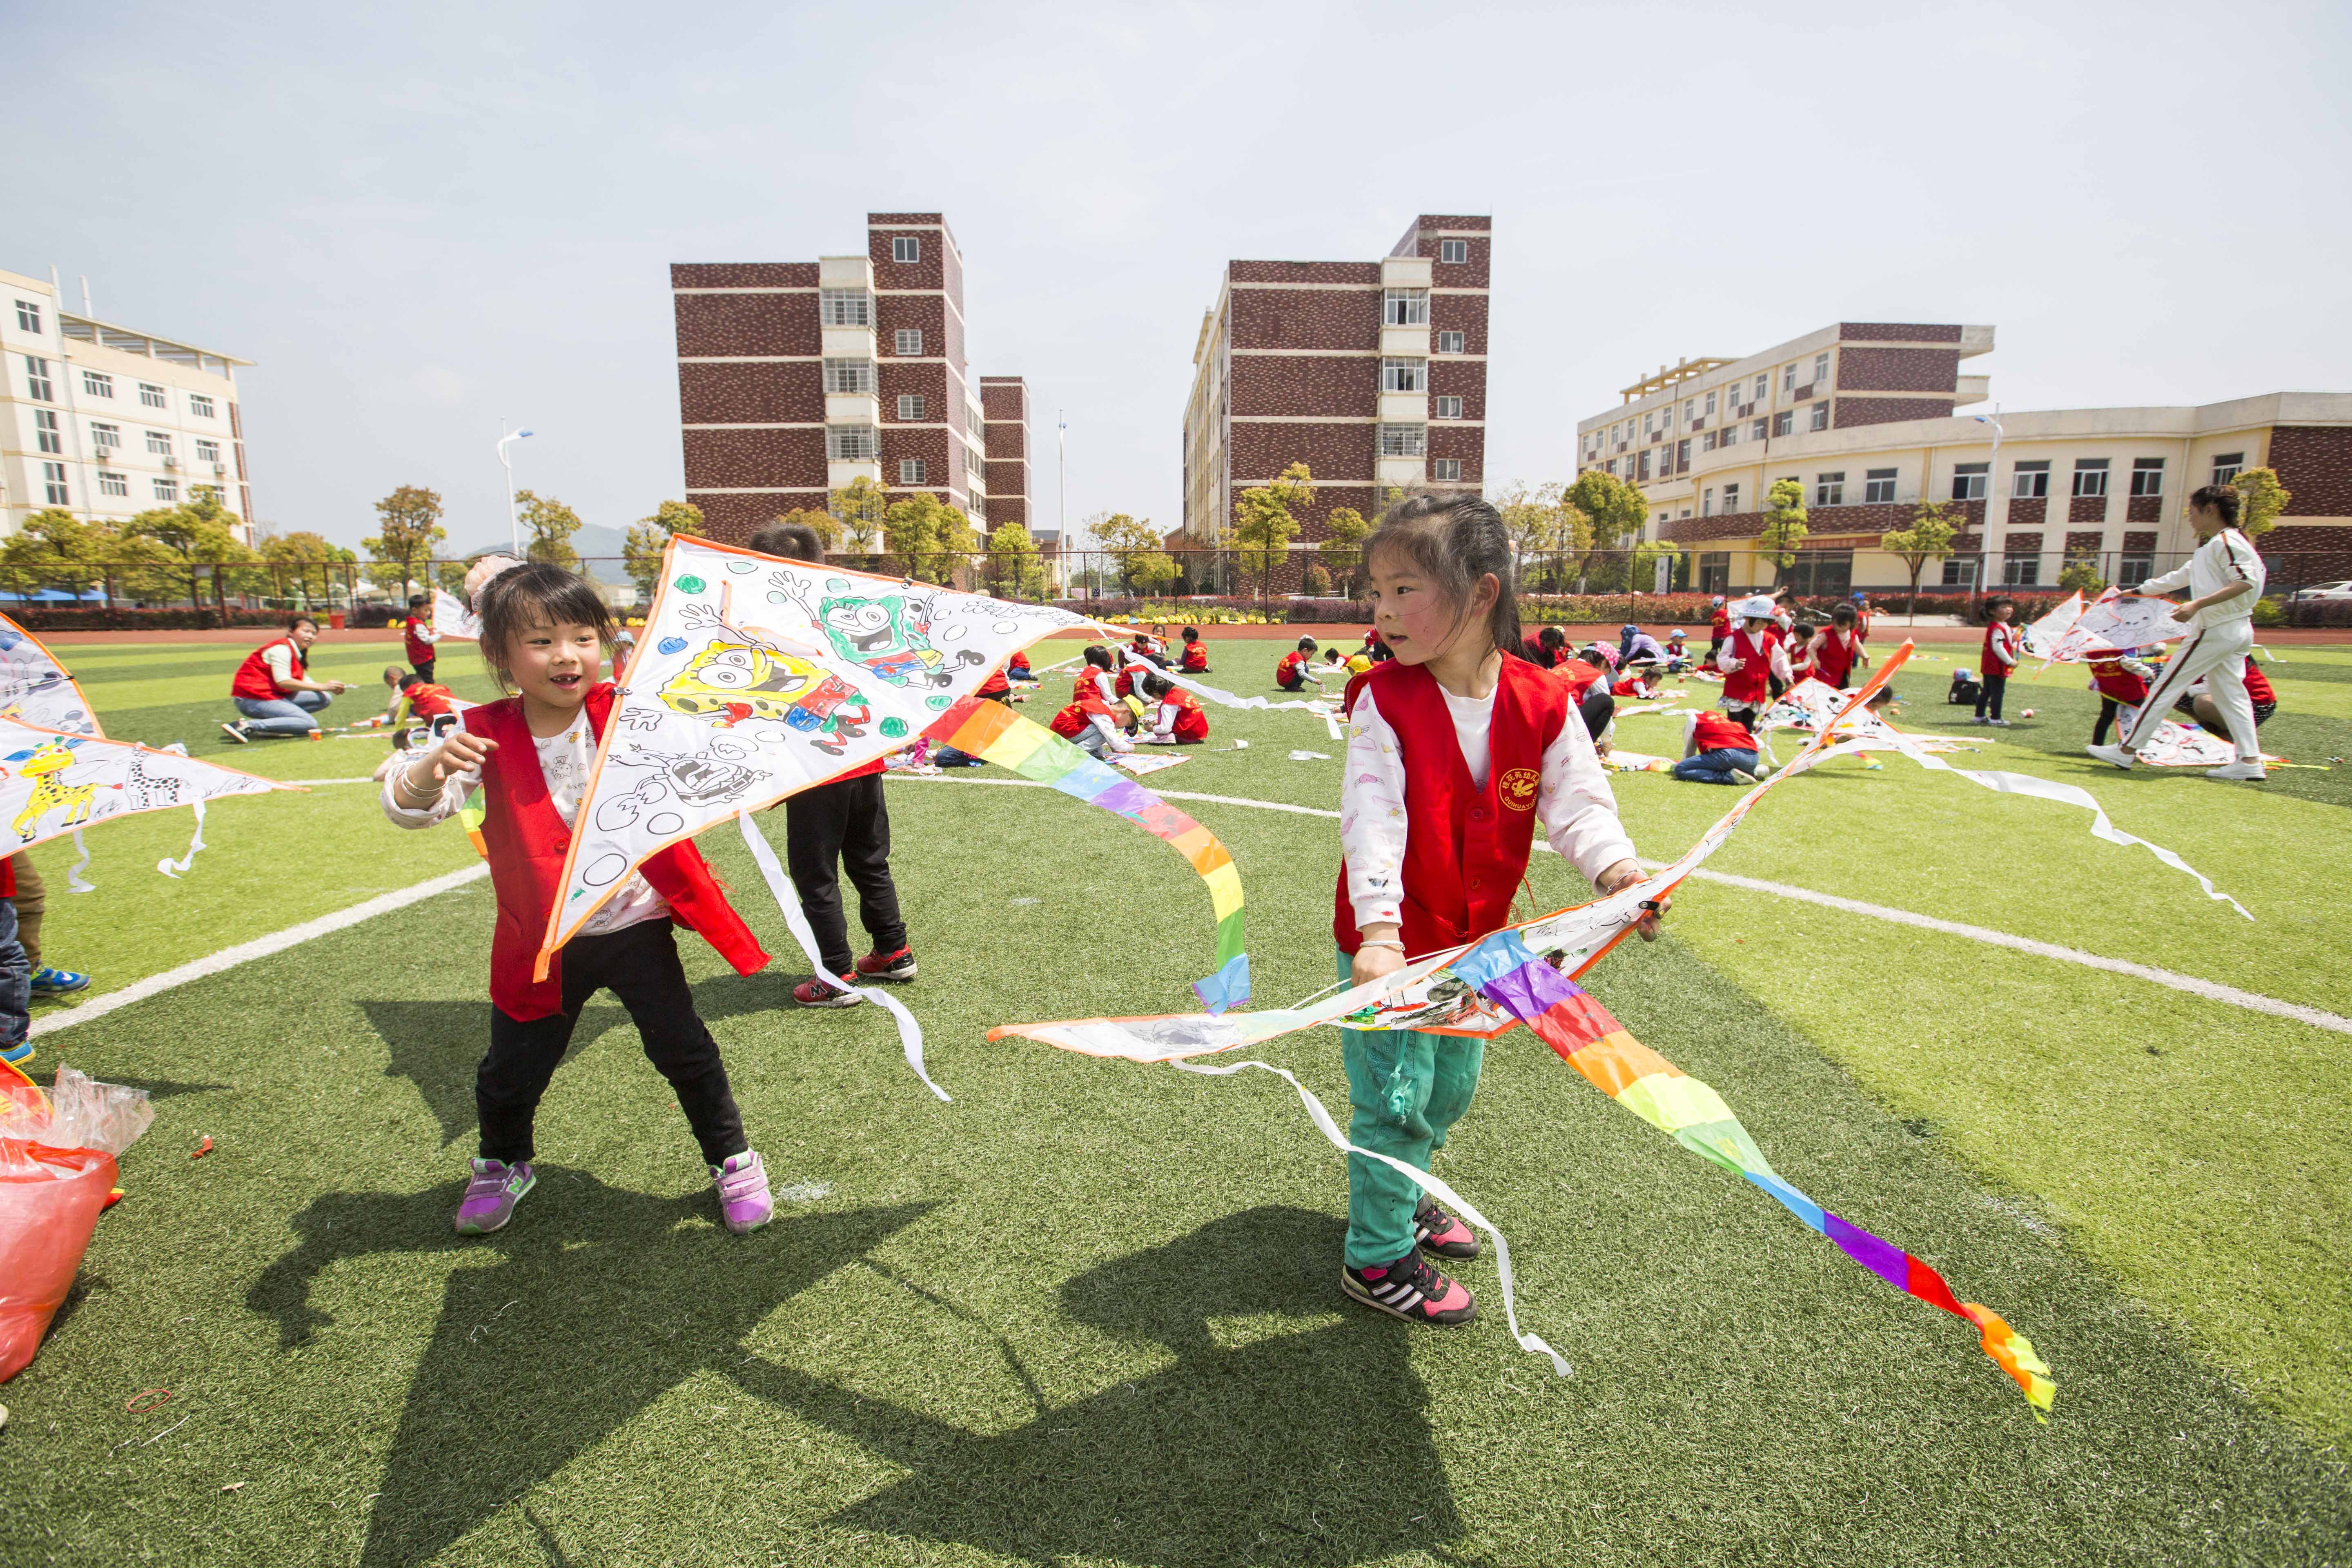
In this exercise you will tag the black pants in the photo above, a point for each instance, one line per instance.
(2108, 707)
(639, 965)
(838, 826)
(423, 667)
(1298, 685)
(1597, 708)
(1991, 694)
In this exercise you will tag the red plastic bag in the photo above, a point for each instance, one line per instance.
(50, 1200)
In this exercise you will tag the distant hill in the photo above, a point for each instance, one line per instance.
(599, 547)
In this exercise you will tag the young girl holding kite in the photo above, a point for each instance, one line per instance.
(545, 632)
(1491, 745)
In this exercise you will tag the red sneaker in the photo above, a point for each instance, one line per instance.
(898, 966)
(1434, 1230)
(1409, 1289)
(816, 992)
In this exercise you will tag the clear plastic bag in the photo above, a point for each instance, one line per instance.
(80, 1113)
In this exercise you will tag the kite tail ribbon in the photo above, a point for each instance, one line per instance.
(910, 1033)
(995, 732)
(177, 869)
(1504, 971)
(74, 881)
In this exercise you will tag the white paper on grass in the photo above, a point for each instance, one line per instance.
(35, 688)
(755, 678)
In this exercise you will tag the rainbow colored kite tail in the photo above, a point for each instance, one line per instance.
(1507, 972)
(992, 730)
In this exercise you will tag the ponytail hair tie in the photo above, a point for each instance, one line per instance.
(481, 575)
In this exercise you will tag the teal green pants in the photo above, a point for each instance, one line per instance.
(1406, 1088)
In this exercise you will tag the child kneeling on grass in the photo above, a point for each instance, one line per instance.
(1180, 719)
(545, 632)
(1492, 745)
(1717, 749)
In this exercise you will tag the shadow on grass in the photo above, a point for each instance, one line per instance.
(437, 1046)
(600, 1301)
(1304, 1441)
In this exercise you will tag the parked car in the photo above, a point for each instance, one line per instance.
(2322, 593)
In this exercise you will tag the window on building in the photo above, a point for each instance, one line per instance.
(97, 383)
(1710, 405)
(1789, 377)
(2227, 466)
(1449, 409)
(844, 307)
(1821, 370)
(2022, 570)
(1403, 440)
(1730, 499)
(29, 316)
(2090, 476)
(1453, 251)
(154, 396)
(851, 444)
(1763, 386)
(1641, 474)
(167, 490)
(1756, 431)
(46, 432)
(105, 437)
(910, 406)
(1878, 486)
(37, 381)
(1404, 307)
(1969, 480)
(53, 480)
(849, 375)
(2135, 568)
(1706, 502)
(1690, 409)
(2147, 475)
(200, 405)
(113, 484)
(1404, 375)
(1714, 571)
(1610, 467)
(1783, 422)
(906, 247)
(1447, 469)
(207, 451)
(2030, 481)
(1960, 572)
(910, 470)
(908, 341)
(1707, 442)
(159, 443)
(1821, 420)
(1823, 574)
(1453, 344)
(1649, 424)
(1829, 489)
(1681, 454)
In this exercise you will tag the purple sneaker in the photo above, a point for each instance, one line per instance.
(491, 1197)
(742, 1184)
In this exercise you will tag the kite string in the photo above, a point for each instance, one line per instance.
(175, 868)
(910, 1033)
(1428, 1184)
(74, 883)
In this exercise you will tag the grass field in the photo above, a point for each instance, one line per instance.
(1089, 1313)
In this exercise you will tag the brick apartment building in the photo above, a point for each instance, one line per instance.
(1373, 374)
(795, 378)
(1863, 415)
(1004, 410)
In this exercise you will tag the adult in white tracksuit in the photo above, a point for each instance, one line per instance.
(2224, 579)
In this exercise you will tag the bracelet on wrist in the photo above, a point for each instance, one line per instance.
(1396, 945)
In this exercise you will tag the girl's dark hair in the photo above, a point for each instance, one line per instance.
(792, 540)
(1553, 636)
(2222, 499)
(1454, 541)
(1157, 686)
(1098, 655)
(538, 594)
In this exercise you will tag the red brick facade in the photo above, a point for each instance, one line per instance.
(2315, 463)
(1852, 411)
(1004, 406)
(2086, 509)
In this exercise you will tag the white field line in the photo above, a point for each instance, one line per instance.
(2212, 991)
(259, 947)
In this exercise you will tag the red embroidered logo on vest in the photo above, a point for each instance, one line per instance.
(1517, 788)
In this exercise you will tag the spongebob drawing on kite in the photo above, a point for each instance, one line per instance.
(889, 638)
(737, 676)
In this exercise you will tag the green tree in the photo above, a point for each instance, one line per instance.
(641, 550)
(1015, 568)
(1611, 508)
(1546, 526)
(2261, 500)
(860, 505)
(1265, 519)
(1934, 525)
(306, 561)
(1784, 527)
(547, 525)
(197, 543)
(826, 527)
(1134, 546)
(2080, 574)
(408, 526)
(1342, 546)
(54, 550)
(927, 538)
(1316, 582)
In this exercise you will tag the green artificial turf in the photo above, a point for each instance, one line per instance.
(1089, 1313)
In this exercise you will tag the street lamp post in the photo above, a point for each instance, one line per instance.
(505, 460)
(1992, 494)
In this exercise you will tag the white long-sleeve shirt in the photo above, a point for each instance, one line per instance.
(1775, 656)
(2228, 557)
(564, 760)
(1573, 803)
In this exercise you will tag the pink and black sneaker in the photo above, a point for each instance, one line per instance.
(1409, 1289)
(491, 1196)
(742, 1184)
(816, 992)
(1434, 1230)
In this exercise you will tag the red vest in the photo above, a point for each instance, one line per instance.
(1465, 848)
(1748, 686)
(253, 676)
(2258, 685)
(1713, 732)
(427, 701)
(1191, 719)
(1575, 676)
(1196, 658)
(2110, 679)
(525, 842)
(1833, 657)
(419, 651)
(1123, 683)
(994, 686)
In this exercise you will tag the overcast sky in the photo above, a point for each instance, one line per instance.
(420, 219)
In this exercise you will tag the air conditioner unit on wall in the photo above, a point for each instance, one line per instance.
(170, 461)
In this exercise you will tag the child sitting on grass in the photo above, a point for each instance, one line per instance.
(1297, 667)
(1180, 719)
(1717, 749)
(545, 632)
(1088, 723)
(414, 697)
(1195, 660)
